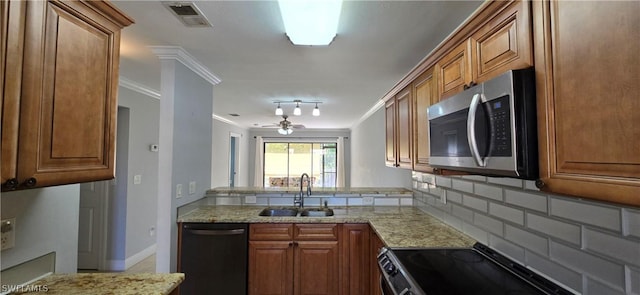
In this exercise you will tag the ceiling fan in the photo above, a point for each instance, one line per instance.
(285, 126)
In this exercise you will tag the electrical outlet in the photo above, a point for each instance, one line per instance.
(179, 191)
(250, 199)
(152, 231)
(192, 187)
(367, 200)
(8, 233)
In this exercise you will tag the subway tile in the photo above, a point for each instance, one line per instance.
(527, 200)
(333, 201)
(312, 202)
(633, 280)
(462, 213)
(554, 271)
(491, 224)
(527, 239)
(443, 181)
(608, 271)
(631, 219)
(228, 201)
(475, 177)
(507, 248)
(555, 228)
(434, 212)
(455, 197)
(261, 202)
(354, 201)
(475, 232)
(514, 182)
(416, 175)
(428, 178)
(462, 185)
(386, 202)
(507, 213)
(594, 287)
(488, 191)
(453, 221)
(624, 250)
(587, 212)
(531, 185)
(406, 201)
(280, 201)
(475, 203)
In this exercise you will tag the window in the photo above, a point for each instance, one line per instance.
(285, 162)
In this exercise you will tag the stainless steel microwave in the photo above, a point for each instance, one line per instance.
(488, 129)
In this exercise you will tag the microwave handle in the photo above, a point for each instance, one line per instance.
(471, 129)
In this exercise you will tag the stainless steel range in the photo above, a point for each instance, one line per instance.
(478, 270)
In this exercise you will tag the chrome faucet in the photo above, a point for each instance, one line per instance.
(299, 201)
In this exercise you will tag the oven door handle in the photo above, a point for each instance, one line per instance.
(382, 289)
(471, 129)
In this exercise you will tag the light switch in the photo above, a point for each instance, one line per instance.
(192, 187)
(8, 233)
(137, 179)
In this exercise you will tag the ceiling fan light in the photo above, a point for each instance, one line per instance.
(284, 131)
(297, 111)
(316, 111)
(310, 22)
(279, 111)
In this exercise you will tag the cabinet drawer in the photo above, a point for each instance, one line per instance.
(271, 232)
(316, 232)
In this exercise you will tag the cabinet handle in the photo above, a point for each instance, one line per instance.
(31, 182)
(11, 184)
(539, 183)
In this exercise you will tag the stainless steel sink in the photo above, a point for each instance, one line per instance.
(284, 211)
(293, 211)
(317, 212)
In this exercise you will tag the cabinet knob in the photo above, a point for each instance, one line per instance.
(11, 184)
(31, 182)
(539, 183)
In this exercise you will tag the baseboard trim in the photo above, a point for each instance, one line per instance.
(133, 259)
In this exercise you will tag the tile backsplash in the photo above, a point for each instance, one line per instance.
(589, 247)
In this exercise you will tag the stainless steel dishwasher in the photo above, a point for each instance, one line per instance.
(213, 257)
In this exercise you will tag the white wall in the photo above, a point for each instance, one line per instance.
(46, 221)
(220, 154)
(367, 156)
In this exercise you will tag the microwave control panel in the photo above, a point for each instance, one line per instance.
(500, 120)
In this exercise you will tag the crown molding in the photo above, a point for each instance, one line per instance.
(368, 114)
(132, 85)
(181, 55)
(227, 121)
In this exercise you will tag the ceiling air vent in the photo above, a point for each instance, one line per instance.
(187, 13)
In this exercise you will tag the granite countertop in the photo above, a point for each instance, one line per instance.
(316, 190)
(105, 284)
(398, 227)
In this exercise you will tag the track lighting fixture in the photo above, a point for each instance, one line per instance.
(297, 111)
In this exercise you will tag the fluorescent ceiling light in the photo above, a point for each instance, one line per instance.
(310, 22)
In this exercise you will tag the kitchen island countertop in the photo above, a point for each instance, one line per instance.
(105, 283)
(397, 226)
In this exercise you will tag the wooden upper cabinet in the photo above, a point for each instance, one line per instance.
(398, 123)
(424, 95)
(589, 98)
(454, 70)
(390, 132)
(504, 43)
(404, 132)
(68, 92)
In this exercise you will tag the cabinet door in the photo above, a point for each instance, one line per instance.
(355, 259)
(454, 70)
(588, 103)
(403, 131)
(13, 15)
(424, 95)
(316, 268)
(504, 43)
(390, 133)
(68, 105)
(376, 244)
(270, 267)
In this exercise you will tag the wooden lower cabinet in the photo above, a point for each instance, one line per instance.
(355, 259)
(375, 244)
(294, 259)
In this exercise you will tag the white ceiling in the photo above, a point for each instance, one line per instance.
(378, 43)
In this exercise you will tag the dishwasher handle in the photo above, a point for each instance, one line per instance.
(216, 232)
